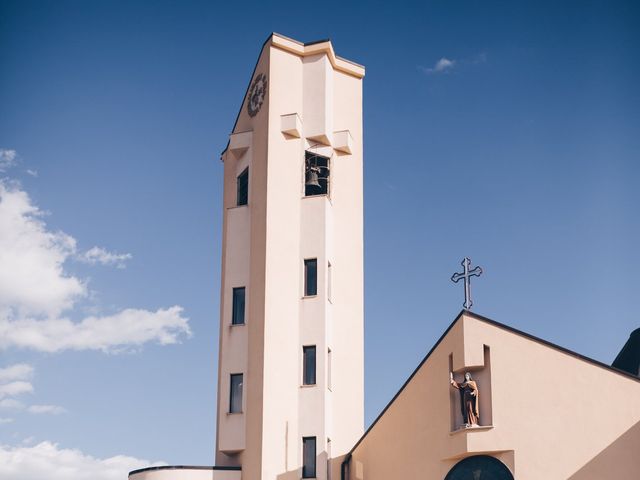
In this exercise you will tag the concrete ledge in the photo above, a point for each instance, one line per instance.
(479, 428)
(186, 472)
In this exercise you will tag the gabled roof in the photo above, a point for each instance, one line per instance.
(502, 326)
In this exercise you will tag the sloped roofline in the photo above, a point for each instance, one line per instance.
(503, 327)
(303, 49)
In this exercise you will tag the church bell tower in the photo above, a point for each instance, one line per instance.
(291, 374)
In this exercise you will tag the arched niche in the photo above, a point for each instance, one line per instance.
(479, 467)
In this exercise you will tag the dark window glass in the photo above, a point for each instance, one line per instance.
(480, 466)
(309, 365)
(235, 398)
(243, 187)
(310, 277)
(237, 315)
(316, 175)
(308, 457)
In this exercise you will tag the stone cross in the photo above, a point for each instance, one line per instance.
(466, 274)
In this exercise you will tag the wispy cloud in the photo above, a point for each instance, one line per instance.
(33, 173)
(17, 371)
(98, 255)
(11, 403)
(36, 291)
(48, 460)
(4, 420)
(46, 409)
(8, 159)
(123, 331)
(12, 389)
(446, 65)
(441, 66)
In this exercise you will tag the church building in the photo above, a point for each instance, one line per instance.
(487, 402)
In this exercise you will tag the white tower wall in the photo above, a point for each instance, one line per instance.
(313, 102)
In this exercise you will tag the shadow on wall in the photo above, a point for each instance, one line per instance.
(321, 467)
(619, 460)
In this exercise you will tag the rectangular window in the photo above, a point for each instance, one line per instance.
(308, 457)
(309, 365)
(329, 368)
(329, 281)
(243, 187)
(235, 397)
(310, 277)
(237, 314)
(316, 174)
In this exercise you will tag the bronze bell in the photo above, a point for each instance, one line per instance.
(312, 179)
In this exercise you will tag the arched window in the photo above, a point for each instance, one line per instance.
(479, 467)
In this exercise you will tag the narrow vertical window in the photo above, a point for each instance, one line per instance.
(329, 368)
(309, 365)
(235, 397)
(308, 457)
(329, 280)
(237, 314)
(310, 277)
(243, 187)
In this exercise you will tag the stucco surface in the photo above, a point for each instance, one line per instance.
(554, 415)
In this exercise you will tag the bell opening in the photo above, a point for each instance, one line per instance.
(316, 178)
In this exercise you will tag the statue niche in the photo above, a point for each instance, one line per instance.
(469, 399)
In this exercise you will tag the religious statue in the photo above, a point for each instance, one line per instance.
(469, 402)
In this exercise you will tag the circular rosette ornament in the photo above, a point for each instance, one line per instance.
(257, 92)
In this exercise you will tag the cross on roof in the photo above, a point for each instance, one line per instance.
(466, 274)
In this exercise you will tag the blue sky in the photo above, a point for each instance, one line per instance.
(503, 131)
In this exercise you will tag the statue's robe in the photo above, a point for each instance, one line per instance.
(469, 403)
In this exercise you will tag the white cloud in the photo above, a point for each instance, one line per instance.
(35, 290)
(32, 278)
(7, 159)
(5, 420)
(18, 371)
(12, 389)
(11, 403)
(48, 460)
(122, 331)
(441, 66)
(99, 255)
(33, 173)
(46, 409)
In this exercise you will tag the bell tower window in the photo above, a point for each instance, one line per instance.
(243, 188)
(316, 174)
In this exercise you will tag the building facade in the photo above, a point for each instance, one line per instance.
(290, 369)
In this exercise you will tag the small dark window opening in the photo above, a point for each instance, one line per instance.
(243, 187)
(308, 457)
(309, 365)
(310, 277)
(316, 175)
(237, 315)
(235, 396)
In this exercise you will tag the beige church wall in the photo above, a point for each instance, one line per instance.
(556, 411)
(347, 326)
(555, 416)
(187, 473)
(254, 258)
(413, 437)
